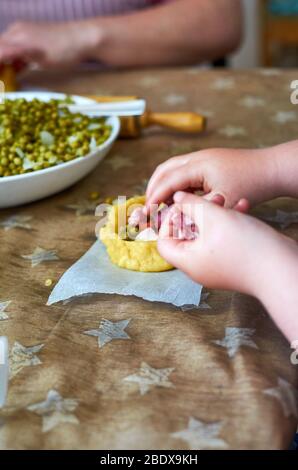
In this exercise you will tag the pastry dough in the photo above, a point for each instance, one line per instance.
(134, 255)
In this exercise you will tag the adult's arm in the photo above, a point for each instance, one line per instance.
(177, 32)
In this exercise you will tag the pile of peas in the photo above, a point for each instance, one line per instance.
(35, 135)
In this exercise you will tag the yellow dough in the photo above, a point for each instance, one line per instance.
(134, 255)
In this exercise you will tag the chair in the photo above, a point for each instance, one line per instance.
(279, 27)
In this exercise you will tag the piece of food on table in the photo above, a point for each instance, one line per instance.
(35, 135)
(136, 249)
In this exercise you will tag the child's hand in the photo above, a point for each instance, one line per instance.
(230, 251)
(225, 176)
(237, 252)
(48, 45)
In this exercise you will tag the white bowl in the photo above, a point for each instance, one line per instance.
(21, 189)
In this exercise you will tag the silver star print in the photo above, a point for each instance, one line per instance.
(194, 70)
(226, 83)
(55, 410)
(283, 219)
(3, 307)
(21, 357)
(232, 131)
(109, 330)
(200, 435)
(283, 117)
(173, 99)
(85, 206)
(202, 306)
(270, 72)
(252, 102)
(148, 81)
(287, 395)
(148, 377)
(205, 112)
(119, 161)
(40, 255)
(181, 148)
(16, 221)
(236, 337)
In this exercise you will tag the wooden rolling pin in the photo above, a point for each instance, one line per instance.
(132, 126)
(8, 77)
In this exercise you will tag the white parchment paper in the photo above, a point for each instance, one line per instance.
(94, 273)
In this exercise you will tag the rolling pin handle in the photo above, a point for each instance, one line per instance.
(181, 121)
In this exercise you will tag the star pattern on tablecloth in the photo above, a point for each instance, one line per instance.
(269, 72)
(173, 99)
(284, 117)
(3, 307)
(202, 306)
(205, 112)
(109, 331)
(194, 70)
(17, 221)
(282, 218)
(232, 131)
(181, 148)
(40, 255)
(148, 377)
(252, 102)
(55, 410)
(236, 337)
(20, 356)
(118, 162)
(224, 83)
(200, 435)
(287, 396)
(148, 81)
(83, 207)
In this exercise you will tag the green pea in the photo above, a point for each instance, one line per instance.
(21, 123)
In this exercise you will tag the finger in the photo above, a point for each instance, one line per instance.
(163, 168)
(216, 198)
(9, 53)
(196, 207)
(178, 179)
(242, 206)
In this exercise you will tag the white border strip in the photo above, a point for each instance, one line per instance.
(4, 370)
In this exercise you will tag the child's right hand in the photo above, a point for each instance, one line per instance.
(233, 178)
(235, 251)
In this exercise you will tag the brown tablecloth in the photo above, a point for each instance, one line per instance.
(215, 377)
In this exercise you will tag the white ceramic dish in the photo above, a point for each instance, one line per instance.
(29, 187)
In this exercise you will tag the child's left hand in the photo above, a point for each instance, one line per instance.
(229, 246)
(235, 251)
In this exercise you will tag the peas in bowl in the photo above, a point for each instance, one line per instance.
(45, 148)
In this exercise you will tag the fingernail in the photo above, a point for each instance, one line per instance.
(178, 197)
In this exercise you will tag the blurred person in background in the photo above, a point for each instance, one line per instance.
(118, 33)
